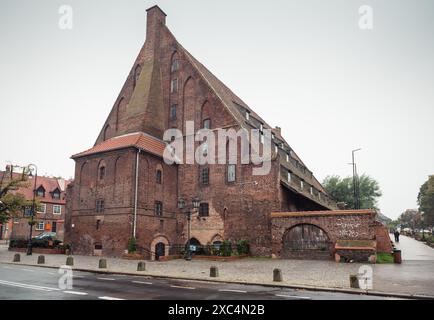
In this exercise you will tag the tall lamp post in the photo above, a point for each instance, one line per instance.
(32, 167)
(355, 187)
(195, 203)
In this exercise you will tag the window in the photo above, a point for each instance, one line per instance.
(301, 184)
(289, 176)
(98, 224)
(173, 112)
(276, 148)
(158, 208)
(174, 86)
(174, 66)
(231, 173)
(204, 210)
(158, 177)
(41, 208)
(204, 176)
(54, 226)
(247, 115)
(99, 205)
(311, 190)
(56, 194)
(101, 172)
(287, 157)
(28, 211)
(57, 209)
(206, 124)
(261, 127)
(40, 192)
(40, 225)
(262, 138)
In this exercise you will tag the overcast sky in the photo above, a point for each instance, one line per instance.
(305, 66)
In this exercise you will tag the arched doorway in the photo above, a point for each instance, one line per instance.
(160, 250)
(306, 241)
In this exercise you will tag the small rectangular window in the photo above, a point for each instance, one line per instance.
(173, 108)
(40, 225)
(158, 208)
(287, 157)
(158, 177)
(289, 176)
(98, 224)
(204, 176)
(174, 86)
(231, 173)
(101, 172)
(41, 208)
(247, 115)
(57, 209)
(175, 66)
(301, 184)
(204, 210)
(206, 124)
(54, 226)
(99, 205)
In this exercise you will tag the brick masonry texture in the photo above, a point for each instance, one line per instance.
(237, 210)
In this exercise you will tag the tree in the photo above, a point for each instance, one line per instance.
(341, 189)
(425, 199)
(410, 219)
(11, 203)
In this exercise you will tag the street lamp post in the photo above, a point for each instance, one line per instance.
(32, 167)
(181, 205)
(355, 191)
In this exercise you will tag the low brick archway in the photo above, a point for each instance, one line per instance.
(335, 225)
(159, 243)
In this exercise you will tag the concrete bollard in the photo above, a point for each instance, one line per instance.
(277, 275)
(141, 266)
(41, 259)
(354, 281)
(102, 263)
(69, 261)
(17, 257)
(213, 272)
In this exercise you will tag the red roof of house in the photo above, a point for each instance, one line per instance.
(138, 140)
(49, 184)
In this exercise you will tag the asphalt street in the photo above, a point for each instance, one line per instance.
(39, 283)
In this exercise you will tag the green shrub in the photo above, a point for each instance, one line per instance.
(132, 245)
(384, 257)
(243, 247)
(226, 248)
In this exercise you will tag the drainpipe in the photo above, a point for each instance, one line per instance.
(135, 193)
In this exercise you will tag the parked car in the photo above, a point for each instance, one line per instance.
(46, 236)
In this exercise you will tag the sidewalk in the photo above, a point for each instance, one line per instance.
(409, 278)
(413, 249)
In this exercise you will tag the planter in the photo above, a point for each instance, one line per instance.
(39, 250)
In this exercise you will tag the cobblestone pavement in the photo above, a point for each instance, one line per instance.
(405, 278)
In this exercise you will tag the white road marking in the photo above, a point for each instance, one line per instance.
(108, 279)
(27, 286)
(181, 287)
(74, 276)
(141, 282)
(296, 297)
(230, 290)
(28, 270)
(76, 292)
(109, 298)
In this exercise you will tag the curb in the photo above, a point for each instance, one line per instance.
(299, 287)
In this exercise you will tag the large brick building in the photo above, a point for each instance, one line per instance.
(50, 214)
(122, 186)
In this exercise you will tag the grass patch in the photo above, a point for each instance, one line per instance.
(384, 257)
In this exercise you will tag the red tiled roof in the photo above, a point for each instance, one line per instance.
(138, 140)
(48, 183)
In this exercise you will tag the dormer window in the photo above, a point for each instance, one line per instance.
(40, 192)
(56, 194)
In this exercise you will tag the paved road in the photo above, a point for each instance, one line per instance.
(412, 249)
(38, 283)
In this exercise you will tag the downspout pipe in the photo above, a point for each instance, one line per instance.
(136, 187)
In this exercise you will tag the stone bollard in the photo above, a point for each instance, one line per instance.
(213, 272)
(69, 261)
(354, 281)
(141, 266)
(41, 259)
(17, 257)
(277, 275)
(102, 263)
